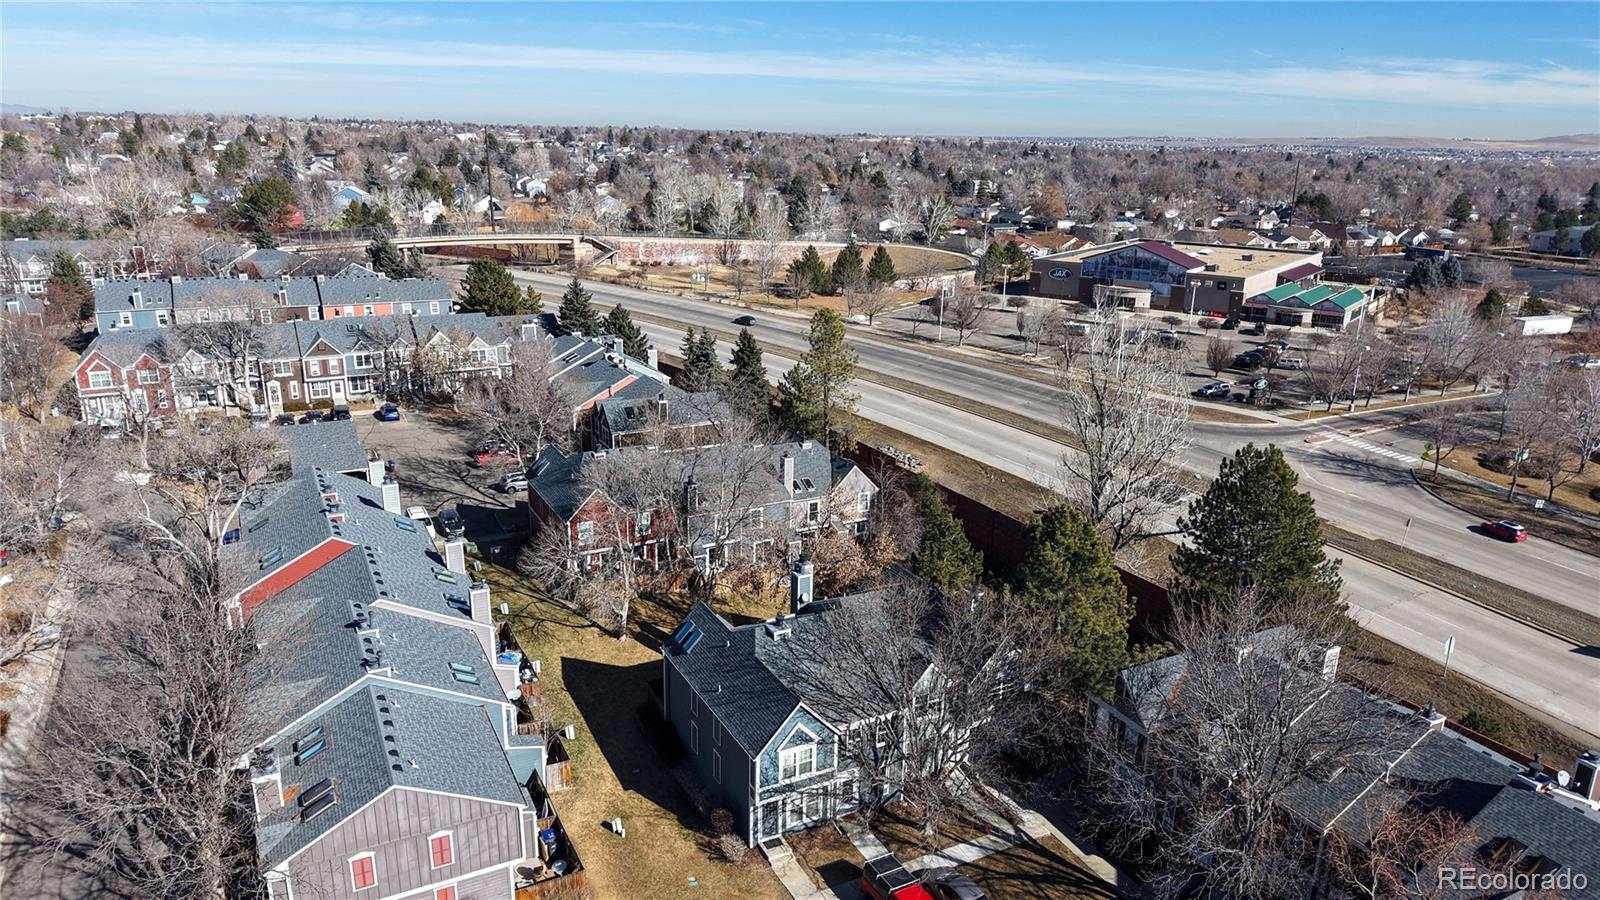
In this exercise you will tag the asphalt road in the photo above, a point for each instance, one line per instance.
(1366, 491)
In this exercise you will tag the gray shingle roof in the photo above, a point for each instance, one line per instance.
(355, 289)
(378, 739)
(124, 347)
(334, 446)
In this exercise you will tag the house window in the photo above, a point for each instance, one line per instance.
(864, 503)
(758, 517)
(433, 308)
(480, 356)
(366, 310)
(319, 390)
(448, 892)
(333, 367)
(585, 533)
(161, 397)
(265, 316)
(814, 512)
(716, 767)
(99, 378)
(314, 367)
(405, 308)
(149, 376)
(205, 315)
(644, 522)
(694, 736)
(441, 849)
(797, 763)
(349, 310)
(281, 369)
(162, 319)
(363, 360)
(504, 354)
(363, 872)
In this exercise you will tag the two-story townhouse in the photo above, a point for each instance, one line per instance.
(397, 748)
(769, 746)
(123, 372)
(1517, 815)
(122, 304)
(26, 263)
(353, 293)
(648, 411)
(801, 488)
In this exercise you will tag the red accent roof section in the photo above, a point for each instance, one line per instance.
(296, 569)
(1176, 257)
(1304, 270)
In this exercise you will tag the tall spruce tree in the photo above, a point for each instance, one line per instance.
(810, 272)
(386, 258)
(68, 287)
(848, 270)
(577, 315)
(748, 390)
(620, 324)
(814, 396)
(702, 371)
(945, 557)
(489, 288)
(532, 301)
(1252, 530)
(1071, 573)
(881, 269)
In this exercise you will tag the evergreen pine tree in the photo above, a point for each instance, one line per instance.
(386, 258)
(577, 315)
(847, 268)
(67, 287)
(945, 557)
(749, 391)
(532, 302)
(702, 371)
(1071, 572)
(1451, 273)
(814, 397)
(811, 272)
(881, 268)
(1492, 305)
(1253, 529)
(620, 324)
(489, 288)
(1461, 208)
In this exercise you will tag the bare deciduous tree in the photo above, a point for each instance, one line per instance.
(529, 409)
(24, 363)
(1219, 354)
(1126, 410)
(1231, 730)
(1404, 853)
(938, 686)
(935, 214)
(769, 228)
(963, 312)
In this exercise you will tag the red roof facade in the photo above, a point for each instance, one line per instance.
(1166, 252)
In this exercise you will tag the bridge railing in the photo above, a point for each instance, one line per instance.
(308, 238)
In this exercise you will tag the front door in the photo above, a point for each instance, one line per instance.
(274, 397)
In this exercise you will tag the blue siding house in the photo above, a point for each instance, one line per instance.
(764, 744)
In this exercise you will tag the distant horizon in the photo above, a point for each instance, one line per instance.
(1439, 71)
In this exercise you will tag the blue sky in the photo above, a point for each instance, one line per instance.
(1487, 70)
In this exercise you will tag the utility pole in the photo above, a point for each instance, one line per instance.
(488, 178)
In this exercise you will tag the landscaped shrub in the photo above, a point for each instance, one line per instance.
(295, 406)
(1487, 724)
(322, 404)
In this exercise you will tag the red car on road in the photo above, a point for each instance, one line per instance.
(1506, 530)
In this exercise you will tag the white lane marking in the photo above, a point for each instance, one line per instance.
(1371, 448)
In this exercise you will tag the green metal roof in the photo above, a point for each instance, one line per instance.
(1282, 292)
(1315, 295)
(1347, 298)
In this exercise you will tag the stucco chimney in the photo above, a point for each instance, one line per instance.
(788, 473)
(800, 578)
(455, 555)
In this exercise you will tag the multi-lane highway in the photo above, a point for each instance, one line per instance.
(1361, 484)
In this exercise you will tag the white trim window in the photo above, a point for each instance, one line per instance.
(282, 368)
(205, 315)
(813, 512)
(319, 390)
(265, 316)
(149, 376)
(162, 319)
(366, 310)
(797, 762)
(585, 533)
(363, 872)
(361, 360)
(441, 849)
(125, 320)
(313, 368)
(100, 378)
(433, 308)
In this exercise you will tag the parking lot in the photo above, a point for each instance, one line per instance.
(431, 453)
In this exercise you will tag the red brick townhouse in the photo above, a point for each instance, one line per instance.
(123, 373)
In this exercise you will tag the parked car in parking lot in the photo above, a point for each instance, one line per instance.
(1212, 390)
(1583, 361)
(1248, 361)
(1230, 324)
(1291, 362)
(283, 419)
(450, 522)
(1506, 530)
(388, 413)
(511, 482)
(315, 415)
(340, 413)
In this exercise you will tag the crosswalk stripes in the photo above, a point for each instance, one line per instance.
(1370, 448)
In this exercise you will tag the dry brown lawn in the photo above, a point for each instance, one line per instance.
(599, 683)
(899, 826)
(1581, 493)
(830, 856)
